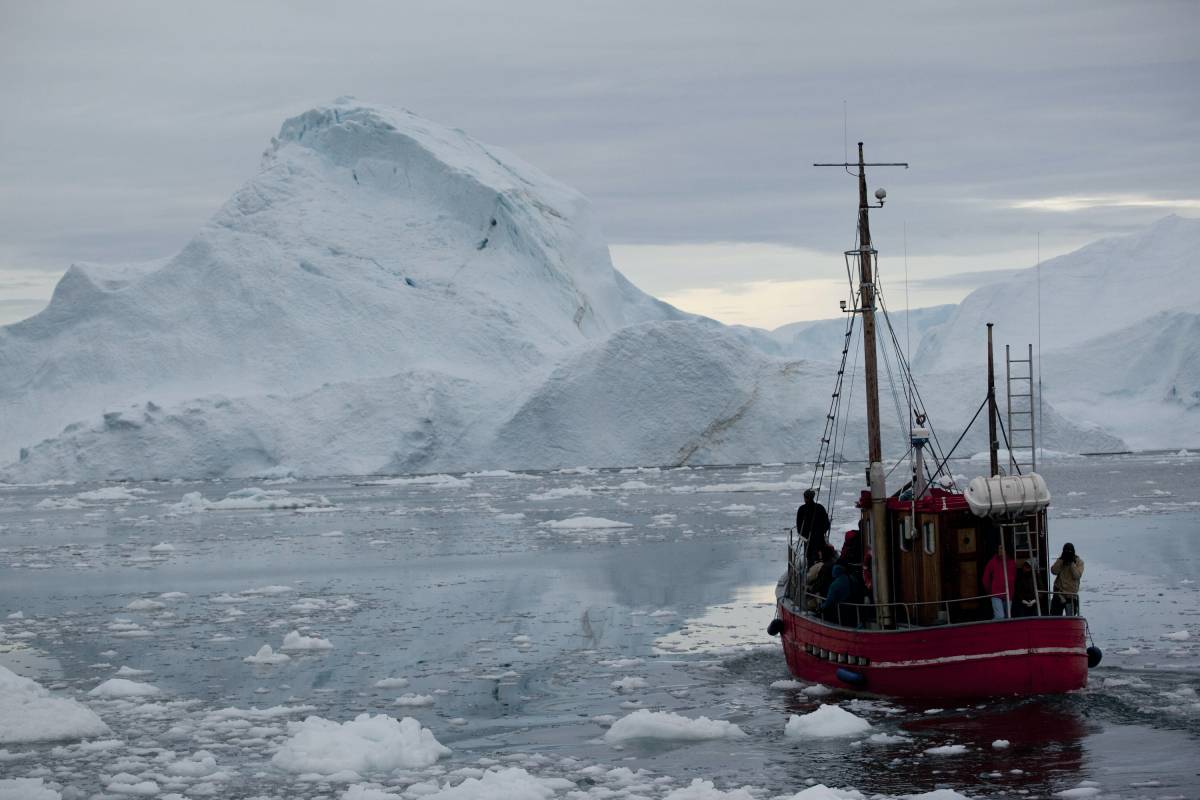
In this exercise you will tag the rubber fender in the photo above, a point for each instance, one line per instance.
(775, 628)
(1095, 654)
(851, 677)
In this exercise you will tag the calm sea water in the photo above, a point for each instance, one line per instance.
(516, 627)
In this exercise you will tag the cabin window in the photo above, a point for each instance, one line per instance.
(906, 534)
(930, 540)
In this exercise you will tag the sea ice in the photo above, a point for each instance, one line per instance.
(294, 641)
(122, 687)
(947, 750)
(267, 655)
(583, 523)
(700, 789)
(828, 721)
(646, 724)
(26, 789)
(368, 743)
(30, 713)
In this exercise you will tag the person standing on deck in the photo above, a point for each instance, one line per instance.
(999, 580)
(812, 525)
(1068, 569)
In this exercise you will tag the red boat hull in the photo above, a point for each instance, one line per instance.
(1027, 656)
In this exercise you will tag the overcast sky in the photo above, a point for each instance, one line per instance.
(691, 125)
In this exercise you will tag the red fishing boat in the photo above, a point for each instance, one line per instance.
(925, 628)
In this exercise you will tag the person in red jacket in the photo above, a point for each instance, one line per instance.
(999, 580)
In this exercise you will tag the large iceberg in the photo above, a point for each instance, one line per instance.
(388, 295)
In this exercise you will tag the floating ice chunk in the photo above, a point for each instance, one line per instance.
(512, 783)
(368, 743)
(249, 499)
(145, 605)
(583, 523)
(26, 789)
(1001, 744)
(58, 504)
(121, 687)
(201, 763)
(392, 683)
(511, 516)
(737, 508)
(361, 791)
(130, 672)
(788, 684)
(111, 494)
(621, 663)
(629, 683)
(267, 655)
(1178, 636)
(273, 589)
(1079, 791)
(414, 700)
(437, 481)
(706, 790)
(646, 724)
(333, 534)
(172, 595)
(828, 721)
(662, 613)
(559, 492)
(629, 486)
(17, 615)
(163, 547)
(294, 641)
(887, 738)
(822, 792)
(30, 713)
(128, 784)
(520, 639)
(947, 750)
(817, 690)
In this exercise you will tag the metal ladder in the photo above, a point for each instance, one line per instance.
(1025, 546)
(1022, 439)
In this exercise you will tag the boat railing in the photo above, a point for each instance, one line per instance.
(909, 614)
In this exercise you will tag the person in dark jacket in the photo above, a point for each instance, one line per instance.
(812, 525)
(1025, 596)
(839, 592)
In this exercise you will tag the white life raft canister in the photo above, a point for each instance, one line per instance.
(1002, 495)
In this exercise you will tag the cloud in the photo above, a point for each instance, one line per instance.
(1064, 203)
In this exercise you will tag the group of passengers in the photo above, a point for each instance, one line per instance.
(835, 579)
(1013, 586)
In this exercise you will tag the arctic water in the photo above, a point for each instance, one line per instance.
(517, 617)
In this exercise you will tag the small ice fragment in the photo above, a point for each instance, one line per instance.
(828, 721)
(267, 655)
(1000, 744)
(294, 641)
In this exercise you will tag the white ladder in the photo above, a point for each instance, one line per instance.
(1022, 438)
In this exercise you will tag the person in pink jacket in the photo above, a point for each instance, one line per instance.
(999, 580)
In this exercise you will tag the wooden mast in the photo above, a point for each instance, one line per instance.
(877, 537)
(880, 544)
(993, 442)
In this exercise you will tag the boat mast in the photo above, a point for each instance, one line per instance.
(880, 544)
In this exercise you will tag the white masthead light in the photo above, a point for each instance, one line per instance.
(880, 194)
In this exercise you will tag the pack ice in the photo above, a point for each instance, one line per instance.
(388, 295)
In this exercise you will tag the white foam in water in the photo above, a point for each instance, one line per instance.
(828, 721)
(30, 713)
(366, 744)
(646, 724)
